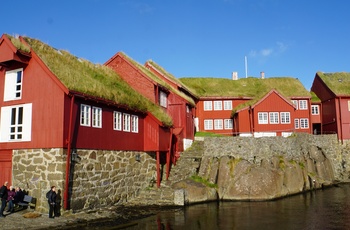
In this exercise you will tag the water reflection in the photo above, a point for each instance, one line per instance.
(321, 209)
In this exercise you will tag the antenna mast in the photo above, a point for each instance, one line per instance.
(246, 66)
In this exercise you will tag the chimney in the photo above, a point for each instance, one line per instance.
(234, 75)
(262, 75)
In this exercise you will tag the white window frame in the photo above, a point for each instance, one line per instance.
(15, 128)
(163, 99)
(227, 105)
(228, 124)
(296, 104)
(96, 117)
(273, 117)
(85, 115)
(208, 124)
(217, 105)
(262, 118)
(296, 124)
(303, 104)
(13, 85)
(134, 124)
(207, 105)
(218, 124)
(304, 123)
(117, 120)
(126, 122)
(315, 109)
(285, 117)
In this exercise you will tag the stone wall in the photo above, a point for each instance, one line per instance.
(98, 178)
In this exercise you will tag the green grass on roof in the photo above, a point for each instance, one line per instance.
(339, 82)
(94, 79)
(18, 44)
(314, 97)
(158, 80)
(245, 87)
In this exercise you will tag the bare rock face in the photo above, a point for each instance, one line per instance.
(195, 192)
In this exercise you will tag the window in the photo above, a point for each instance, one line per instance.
(228, 123)
(262, 118)
(134, 124)
(188, 109)
(163, 99)
(304, 123)
(85, 115)
(295, 102)
(303, 104)
(117, 120)
(96, 117)
(285, 118)
(314, 109)
(217, 105)
(208, 124)
(218, 124)
(126, 122)
(16, 123)
(13, 85)
(208, 105)
(274, 118)
(296, 123)
(227, 105)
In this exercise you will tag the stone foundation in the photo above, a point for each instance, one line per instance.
(98, 178)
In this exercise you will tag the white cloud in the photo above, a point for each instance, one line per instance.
(266, 52)
(277, 49)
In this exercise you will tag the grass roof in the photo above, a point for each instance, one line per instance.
(161, 82)
(314, 97)
(245, 87)
(18, 44)
(93, 79)
(338, 82)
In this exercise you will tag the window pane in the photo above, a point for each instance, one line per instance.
(20, 115)
(13, 116)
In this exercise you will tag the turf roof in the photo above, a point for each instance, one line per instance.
(93, 79)
(338, 82)
(160, 81)
(245, 87)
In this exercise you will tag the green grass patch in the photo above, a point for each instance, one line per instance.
(203, 181)
(338, 82)
(18, 44)
(208, 134)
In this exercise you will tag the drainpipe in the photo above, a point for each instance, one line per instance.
(168, 155)
(340, 121)
(69, 147)
(251, 124)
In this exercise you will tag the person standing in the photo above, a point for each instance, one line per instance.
(10, 198)
(3, 196)
(52, 202)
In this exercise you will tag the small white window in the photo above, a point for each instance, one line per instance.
(295, 102)
(262, 118)
(134, 124)
(126, 122)
(274, 118)
(85, 115)
(13, 85)
(208, 124)
(304, 123)
(228, 123)
(96, 117)
(163, 99)
(285, 118)
(315, 109)
(208, 106)
(303, 104)
(296, 123)
(227, 105)
(188, 109)
(217, 105)
(16, 123)
(218, 124)
(117, 120)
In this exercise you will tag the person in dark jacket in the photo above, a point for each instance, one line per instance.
(52, 202)
(3, 196)
(19, 196)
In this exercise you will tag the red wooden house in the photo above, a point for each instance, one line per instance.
(316, 111)
(333, 89)
(51, 99)
(154, 84)
(251, 106)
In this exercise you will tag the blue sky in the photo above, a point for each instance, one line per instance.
(195, 38)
